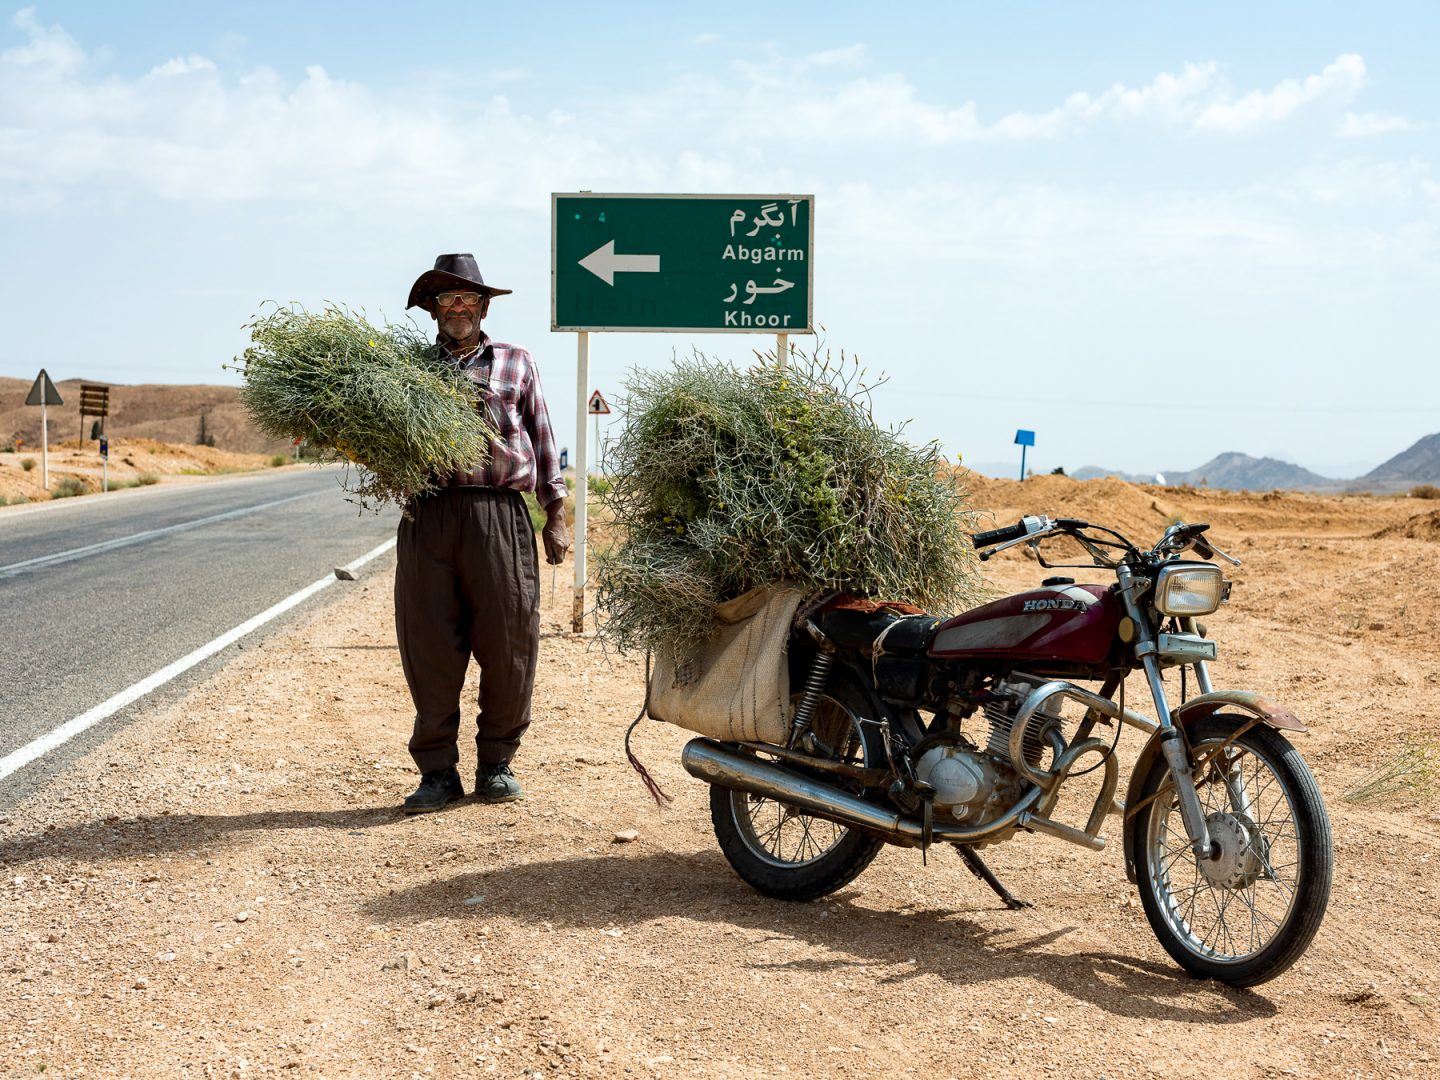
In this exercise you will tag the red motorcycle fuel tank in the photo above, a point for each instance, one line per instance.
(1064, 624)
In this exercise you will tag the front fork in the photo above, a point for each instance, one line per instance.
(1172, 739)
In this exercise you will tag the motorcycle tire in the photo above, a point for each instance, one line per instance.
(1284, 868)
(824, 868)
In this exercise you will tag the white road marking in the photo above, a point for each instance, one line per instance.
(136, 538)
(18, 759)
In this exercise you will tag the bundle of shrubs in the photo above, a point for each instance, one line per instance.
(724, 479)
(378, 396)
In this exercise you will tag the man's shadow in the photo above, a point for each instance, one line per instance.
(117, 837)
(611, 891)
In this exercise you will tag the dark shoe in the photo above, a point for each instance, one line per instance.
(436, 791)
(496, 783)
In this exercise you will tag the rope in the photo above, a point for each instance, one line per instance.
(662, 800)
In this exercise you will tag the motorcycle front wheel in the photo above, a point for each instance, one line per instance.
(784, 852)
(1247, 914)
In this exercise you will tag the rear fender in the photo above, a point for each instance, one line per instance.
(1186, 716)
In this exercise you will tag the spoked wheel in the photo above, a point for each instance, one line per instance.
(784, 852)
(1246, 915)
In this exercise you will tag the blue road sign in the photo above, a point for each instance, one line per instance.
(1024, 439)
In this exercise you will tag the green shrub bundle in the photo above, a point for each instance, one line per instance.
(381, 397)
(725, 479)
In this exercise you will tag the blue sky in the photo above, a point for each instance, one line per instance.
(1150, 232)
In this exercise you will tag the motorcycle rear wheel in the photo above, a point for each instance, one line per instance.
(1246, 916)
(791, 855)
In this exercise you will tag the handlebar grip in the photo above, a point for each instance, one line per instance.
(1018, 531)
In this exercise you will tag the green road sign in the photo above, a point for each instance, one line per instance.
(738, 264)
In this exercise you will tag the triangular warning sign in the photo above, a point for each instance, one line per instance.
(598, 407)
(43, 392)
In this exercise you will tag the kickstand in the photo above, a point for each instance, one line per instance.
(977, 867)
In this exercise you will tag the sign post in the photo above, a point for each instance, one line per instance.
(598, 407)
(94, 401)
(43, 393)
(582, 482)
(679, 264)
(1024, 439)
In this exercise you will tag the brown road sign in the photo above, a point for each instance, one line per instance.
(43, 392)
(598, 405)
(94, 400)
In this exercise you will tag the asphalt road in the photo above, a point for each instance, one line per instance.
(97, 594)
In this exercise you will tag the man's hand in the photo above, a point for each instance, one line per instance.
(556, 533)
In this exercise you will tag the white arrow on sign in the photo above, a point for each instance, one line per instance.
(604, 263)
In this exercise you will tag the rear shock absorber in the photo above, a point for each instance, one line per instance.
(810, 698)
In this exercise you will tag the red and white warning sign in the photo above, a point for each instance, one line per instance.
(598, 405)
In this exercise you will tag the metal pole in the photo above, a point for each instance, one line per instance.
(44, 446)
(582, 485)
(1022, 463)
(105, 474)
(782, 349)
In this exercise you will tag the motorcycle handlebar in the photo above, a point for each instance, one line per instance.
(1018, 531)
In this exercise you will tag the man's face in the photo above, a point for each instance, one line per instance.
(459, 312)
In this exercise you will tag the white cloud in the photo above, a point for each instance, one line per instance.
(887, 106)
(842, 57)
(1338, 83)
(191, 131)
(181, 65)
(1357, 125)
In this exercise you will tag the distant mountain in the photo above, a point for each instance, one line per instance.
(1420, 464)
(1234, 471)
(1096, 472)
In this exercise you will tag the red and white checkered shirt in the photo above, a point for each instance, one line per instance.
(523, 456)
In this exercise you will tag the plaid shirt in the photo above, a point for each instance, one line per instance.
(523, 457)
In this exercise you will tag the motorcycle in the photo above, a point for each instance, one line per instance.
(914, 730)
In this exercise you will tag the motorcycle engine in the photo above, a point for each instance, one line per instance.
(966, 782)
(973, 785)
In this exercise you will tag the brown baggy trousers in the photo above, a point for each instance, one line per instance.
(467, 583)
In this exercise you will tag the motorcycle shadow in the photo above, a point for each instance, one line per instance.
(608, 891)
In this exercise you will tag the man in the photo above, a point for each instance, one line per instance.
(467, 575)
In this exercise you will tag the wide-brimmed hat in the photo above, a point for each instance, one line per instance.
(451, 272)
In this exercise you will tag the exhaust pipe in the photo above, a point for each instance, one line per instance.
(708, 760)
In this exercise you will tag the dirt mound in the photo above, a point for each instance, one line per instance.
(1142, 511)
(1130, 508)
(1419, 527)
(168, 414)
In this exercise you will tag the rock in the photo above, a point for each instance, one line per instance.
(242, 916)
(473, 901)
(141, 984)
(341, 574)
(627, 836)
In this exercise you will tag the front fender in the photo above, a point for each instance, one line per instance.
(1196, 709)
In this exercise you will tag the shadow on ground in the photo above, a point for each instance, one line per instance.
(117, 838)
(602, 892)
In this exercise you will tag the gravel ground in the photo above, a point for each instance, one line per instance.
(225, 886)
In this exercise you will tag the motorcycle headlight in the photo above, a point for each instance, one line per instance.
(1189, 589)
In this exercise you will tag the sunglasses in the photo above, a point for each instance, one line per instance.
(469, 299)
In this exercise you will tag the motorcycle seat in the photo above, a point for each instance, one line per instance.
(898, 634)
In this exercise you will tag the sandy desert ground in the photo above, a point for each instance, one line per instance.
(225, 887)
(130, 459)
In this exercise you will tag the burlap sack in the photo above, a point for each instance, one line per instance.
(736, 688)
